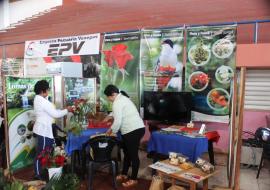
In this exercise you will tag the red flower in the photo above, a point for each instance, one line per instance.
(48, 159)
(108, 57)
(59, 160)
(44, 161)
(117, 55)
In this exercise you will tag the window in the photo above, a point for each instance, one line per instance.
(257, 90)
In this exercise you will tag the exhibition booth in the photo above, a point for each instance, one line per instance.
(183, 81)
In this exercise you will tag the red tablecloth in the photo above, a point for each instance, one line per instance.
(210, 135)
(98, 125)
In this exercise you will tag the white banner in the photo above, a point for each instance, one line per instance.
(66, 46)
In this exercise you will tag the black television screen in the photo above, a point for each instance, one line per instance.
(168, 106)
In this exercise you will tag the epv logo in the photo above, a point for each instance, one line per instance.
(59, 49)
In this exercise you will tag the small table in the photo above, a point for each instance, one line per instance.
(195, 171)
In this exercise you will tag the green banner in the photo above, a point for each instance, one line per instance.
(209, 71)
(20, 97)
(161, 59)
(120, 65)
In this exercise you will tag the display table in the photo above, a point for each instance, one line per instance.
(199, 176)
(164, 143)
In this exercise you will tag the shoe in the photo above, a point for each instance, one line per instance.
(121, 177)
(130, 183)
(37, 177)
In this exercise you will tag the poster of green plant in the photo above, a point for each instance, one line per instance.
(120, 65)
(210, 71)
(161, 59)
(19, 99)
(76, 88)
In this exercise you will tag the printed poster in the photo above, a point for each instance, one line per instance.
(46, 56)
(120, 65)
(20, 97)
(210, 70)
(76, 88)
(161, 59)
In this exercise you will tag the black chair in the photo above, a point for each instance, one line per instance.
(100, 150)
(262, 135)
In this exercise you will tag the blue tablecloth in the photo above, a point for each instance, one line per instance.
(76, 142)
(188, 146)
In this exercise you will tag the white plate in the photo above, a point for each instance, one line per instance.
(227, 73)
(224, 93)
(223, 44)
(189, 81)
(192, 61)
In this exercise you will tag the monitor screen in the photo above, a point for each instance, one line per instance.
(168, 106)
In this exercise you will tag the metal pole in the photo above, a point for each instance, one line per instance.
(255, 38)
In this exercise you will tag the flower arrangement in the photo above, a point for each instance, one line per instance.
(50, 157)
(81, 111)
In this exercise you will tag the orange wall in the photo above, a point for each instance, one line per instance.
(253, 55)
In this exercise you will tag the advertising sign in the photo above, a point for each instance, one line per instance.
(76, 88)
(120, 65)
(210, 70)
(161, 59)
(20, 117)
(41, 56)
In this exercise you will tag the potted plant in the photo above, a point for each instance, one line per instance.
(78, 119)
(53, 160)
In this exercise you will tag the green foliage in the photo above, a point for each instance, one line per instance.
(9, 184)
(65, 182)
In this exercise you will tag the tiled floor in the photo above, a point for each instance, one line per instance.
(248, 179)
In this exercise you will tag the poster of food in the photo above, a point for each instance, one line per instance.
(76, 88)
(210, 70)
(120, 65)
(20, 96)
(161, 59)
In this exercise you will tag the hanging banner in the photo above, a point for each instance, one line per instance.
(76, 88)
(82, 52)
(209, 71)
(161, 59)
(20, 96)
(120, 65)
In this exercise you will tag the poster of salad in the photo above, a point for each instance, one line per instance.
(76, 88)
(161, 59)
(20, 96)
(209, 71)
(120, 65)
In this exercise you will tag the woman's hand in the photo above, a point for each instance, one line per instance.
(109, 132)
(69, 108)
(107, 119)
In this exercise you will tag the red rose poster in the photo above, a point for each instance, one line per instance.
(120, 65)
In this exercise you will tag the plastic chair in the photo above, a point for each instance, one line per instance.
(262, 134)
(100, 151)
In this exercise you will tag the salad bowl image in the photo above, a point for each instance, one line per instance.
(218, 99)
(198, 81)
(224, 74)
(199, 55)
(222, 48)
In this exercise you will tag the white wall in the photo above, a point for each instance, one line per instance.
(4, 14)
(14, 12)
